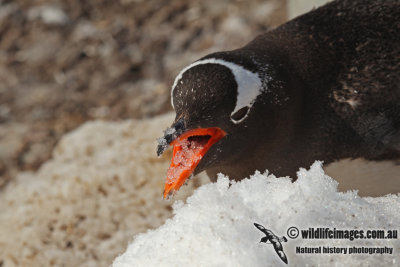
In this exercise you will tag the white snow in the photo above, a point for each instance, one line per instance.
(215, 226)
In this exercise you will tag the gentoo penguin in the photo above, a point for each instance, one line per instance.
(324, 86)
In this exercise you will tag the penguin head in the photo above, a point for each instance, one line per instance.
(214, 91)
(218, 104)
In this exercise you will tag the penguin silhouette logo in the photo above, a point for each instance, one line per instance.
(271, 238)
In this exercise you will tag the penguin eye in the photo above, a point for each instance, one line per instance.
(240, 114)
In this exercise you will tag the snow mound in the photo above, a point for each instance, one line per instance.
(215, 226)
(103, 185)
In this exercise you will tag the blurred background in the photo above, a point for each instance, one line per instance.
(65, 62)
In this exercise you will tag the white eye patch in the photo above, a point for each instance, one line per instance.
(249, 84)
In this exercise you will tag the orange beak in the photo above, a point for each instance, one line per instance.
(189, 149)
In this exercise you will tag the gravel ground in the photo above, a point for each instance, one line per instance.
(65, 62)
(82, 207)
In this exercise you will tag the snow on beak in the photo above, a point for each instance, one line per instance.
(189, 149)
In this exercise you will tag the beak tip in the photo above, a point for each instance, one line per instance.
(168, 194)
(162, 146)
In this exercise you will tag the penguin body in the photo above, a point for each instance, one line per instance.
(324, 86)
